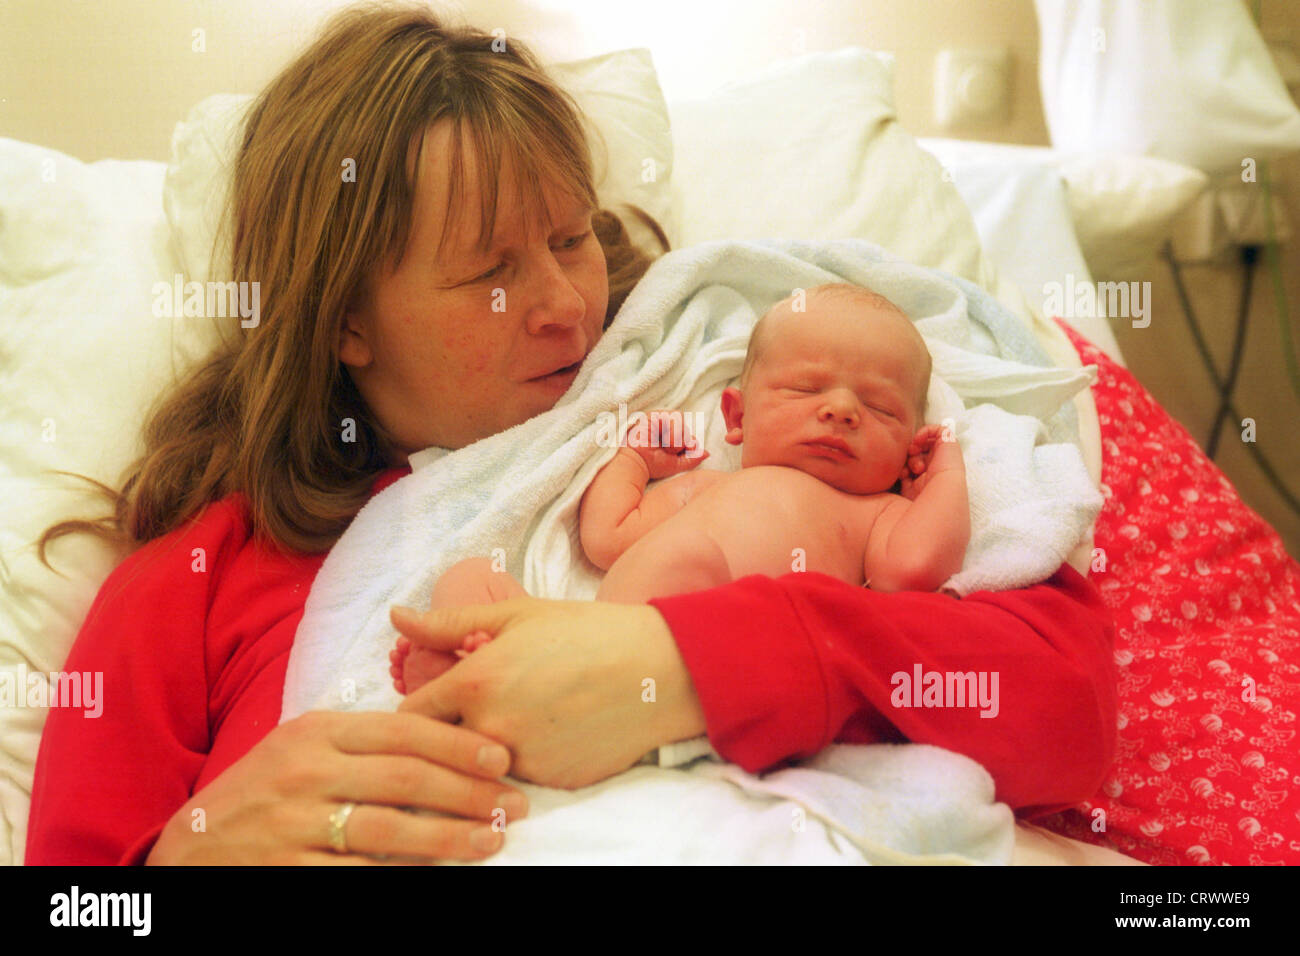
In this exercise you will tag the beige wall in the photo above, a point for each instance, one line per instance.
(109, 78)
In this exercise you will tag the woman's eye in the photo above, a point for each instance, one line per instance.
(489, 274)
(574, 241)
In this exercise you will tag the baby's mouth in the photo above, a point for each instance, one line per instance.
(835, 448)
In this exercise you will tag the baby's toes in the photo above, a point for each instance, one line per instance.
(400, 651)
(476, 639)
(397, 664)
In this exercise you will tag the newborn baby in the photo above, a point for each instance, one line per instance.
(828, 413)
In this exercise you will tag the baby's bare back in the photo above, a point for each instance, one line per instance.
(766, 520)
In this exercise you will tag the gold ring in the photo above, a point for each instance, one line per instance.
(338, 827)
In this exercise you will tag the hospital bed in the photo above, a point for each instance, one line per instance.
(810, 148)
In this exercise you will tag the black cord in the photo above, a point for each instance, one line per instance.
(1249, 256)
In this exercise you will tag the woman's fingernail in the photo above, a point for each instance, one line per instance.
(484, 840)
(514, 804)
(494, 760)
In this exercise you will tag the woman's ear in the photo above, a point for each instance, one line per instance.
(354, 346)
(733, 410)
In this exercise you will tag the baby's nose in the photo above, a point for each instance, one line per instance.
(839, 409)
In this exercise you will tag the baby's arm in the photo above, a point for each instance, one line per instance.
(918, 544)
(616, 511)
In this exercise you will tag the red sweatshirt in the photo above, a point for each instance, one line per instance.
(192, 633)
(785, 666)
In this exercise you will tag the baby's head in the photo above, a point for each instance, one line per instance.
(836, 389)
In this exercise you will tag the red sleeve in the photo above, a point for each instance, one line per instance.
(191, 634)
(104, 786)
(785, 666)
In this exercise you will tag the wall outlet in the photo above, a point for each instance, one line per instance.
(1227, 215)
(1243, 210)
(972, 86)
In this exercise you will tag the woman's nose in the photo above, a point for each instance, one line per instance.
(839, 408)
(554, 301)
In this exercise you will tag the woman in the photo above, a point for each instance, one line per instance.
(381, 335)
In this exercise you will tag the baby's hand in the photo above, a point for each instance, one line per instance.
(669, 448)
(927, 456)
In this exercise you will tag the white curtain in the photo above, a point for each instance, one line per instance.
(1185, 80)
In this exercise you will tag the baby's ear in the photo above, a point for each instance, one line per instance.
(733, 410)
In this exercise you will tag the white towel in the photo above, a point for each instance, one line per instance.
(678, 341)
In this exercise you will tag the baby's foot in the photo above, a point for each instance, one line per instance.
(412, 667)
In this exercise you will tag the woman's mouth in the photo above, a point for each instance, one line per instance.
(560, 379)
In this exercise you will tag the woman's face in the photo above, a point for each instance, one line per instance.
(459, 344)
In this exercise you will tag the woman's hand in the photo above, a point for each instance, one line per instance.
(578, 690)
(274, 805)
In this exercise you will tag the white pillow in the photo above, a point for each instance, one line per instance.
(80, 249)
(618, 93)
(1186, 80)
(627, 126)
(811, 148)
(1121, 207)
(1124, 207)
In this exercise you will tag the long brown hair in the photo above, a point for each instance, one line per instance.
(264, 414)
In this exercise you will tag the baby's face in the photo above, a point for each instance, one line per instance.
(832, 392)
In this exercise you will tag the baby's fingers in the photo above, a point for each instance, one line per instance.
(692, 456)
(667, 462)
(928, 435)
(693, 449)
(670, 432)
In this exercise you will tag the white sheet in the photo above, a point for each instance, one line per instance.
(1021, 210)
